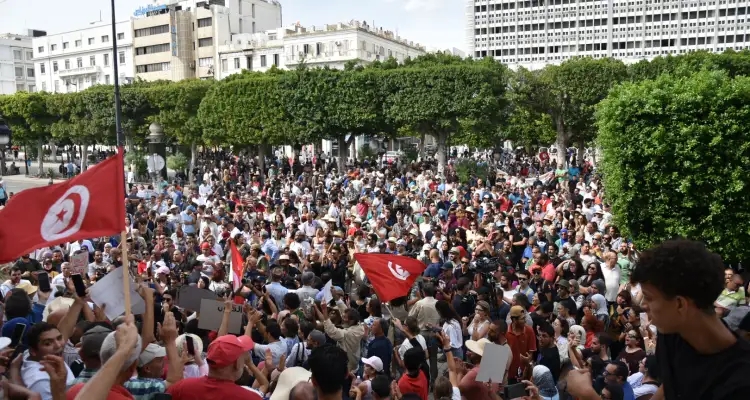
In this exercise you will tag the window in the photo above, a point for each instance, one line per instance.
(120, 36)
(206, 62)
(17, 55)
(263, 61)
(92, 61)
(20, 87)
(40, 49)
(276, 60)
(205, 22)
(44, 86)
(205, 42)
(29, 55)
(79, 62)
(19, 72)
(78, 43)
(30, 72)
(236, 63)
(67, 64)
(106, 79)
(53, 47)
(157, 48)
(105, 39)
(42, 68)
(65, 45)
(154, 30)
(57, 86)
(163, 66)
(106, 60)
(54, 66)
(91, 41)
(225, 65)
(121, 56)
(32, 88)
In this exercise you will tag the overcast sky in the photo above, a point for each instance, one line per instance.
(435, 23)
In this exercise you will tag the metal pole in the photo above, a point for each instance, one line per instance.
(115, 63)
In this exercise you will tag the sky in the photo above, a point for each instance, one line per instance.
(433, 23)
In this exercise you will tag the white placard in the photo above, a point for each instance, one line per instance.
(109, 291)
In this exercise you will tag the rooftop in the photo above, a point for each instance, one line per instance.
(299, 30)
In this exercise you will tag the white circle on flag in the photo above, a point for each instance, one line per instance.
(65, 217)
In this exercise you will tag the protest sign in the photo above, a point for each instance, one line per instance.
(211, 313)
(190, 297)
(79, 262)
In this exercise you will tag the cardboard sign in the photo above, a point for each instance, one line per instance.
(109, 291)
(494, 363)
(79, 262)
(190, 297)
(212, 312)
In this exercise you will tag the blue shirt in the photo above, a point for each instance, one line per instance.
(433, 270)
(383, 349)
(628, 391)
(277, 291)
(269, 247)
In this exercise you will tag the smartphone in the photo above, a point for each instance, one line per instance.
(161, 396)
(18, 332)
(78, 283)
(44, 283)
(515, 391)
(190, 345)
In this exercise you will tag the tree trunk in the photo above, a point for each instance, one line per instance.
(442, 152)
(40, 145)
(581, 152)
(84, 158)
(262, 151)
(422, 145)
(561, 142)
(193, 159)
(343, 153)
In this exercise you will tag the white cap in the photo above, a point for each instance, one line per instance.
(374, 362)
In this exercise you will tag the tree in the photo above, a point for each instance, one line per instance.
(30, 119)
(437, 100)
(176, 109)
(245, 112)
(568, 93)
(675, 156)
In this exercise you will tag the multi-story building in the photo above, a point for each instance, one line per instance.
(319, 46)
(180, 39)
(16, 63)
(533, 33)
(76, 60)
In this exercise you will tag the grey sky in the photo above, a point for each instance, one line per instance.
(436, 23)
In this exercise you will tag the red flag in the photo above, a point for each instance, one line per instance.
(87, 206)
(235, 275)
(391, 276)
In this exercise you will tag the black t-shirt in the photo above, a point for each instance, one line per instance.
(464, 305)
(550, 358)
(31, 266)
(518, 236)
(687, 375)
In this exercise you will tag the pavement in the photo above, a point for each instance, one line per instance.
(17, 183)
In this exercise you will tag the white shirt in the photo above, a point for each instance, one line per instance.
(37, 380)
(611, 281)
(454, 332)
(406, 345)
(8, 286)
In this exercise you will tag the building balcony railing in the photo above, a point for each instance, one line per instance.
(91, 70)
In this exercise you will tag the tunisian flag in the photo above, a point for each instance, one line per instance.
(90, 205)
(235, 275)
(391, 276)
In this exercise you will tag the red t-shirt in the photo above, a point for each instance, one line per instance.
(116, 392)
(207, 388)
(416, 385)
(520, 344)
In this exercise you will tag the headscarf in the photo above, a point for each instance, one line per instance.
(543, 380)
(580, 333)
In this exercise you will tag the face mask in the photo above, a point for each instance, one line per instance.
(298, 240)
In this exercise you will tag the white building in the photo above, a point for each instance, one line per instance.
(76, 60)
(331, 45)
(537, 32)
(16, 65)
(180, 39)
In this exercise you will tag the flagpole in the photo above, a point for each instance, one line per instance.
(120, 149)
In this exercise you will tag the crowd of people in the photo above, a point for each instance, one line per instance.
(527, 258)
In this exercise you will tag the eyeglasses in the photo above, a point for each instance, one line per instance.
(522, 279)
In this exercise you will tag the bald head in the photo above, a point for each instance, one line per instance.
(302, 391)
(56, 316)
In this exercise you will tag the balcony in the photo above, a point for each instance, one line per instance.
(92, 70)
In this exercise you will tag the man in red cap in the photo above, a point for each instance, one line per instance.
(227, 357)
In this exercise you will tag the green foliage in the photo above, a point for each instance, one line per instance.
(176, 108)
(137, 158)
(468, 168)
(365, 152)
(177, 162)
(28, 115)
(675, 157)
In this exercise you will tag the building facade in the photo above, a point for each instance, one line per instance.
(538, 32)
(180, 40)
(76, 60)
(331, 45)
(16, 64)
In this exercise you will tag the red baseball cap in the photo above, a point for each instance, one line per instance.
(227, 349)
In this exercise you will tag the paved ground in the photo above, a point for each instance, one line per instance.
(17, 183)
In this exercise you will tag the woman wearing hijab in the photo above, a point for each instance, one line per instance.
(542, 378)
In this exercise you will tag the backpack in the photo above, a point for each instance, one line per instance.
(424, 366)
